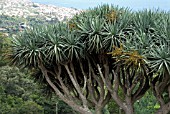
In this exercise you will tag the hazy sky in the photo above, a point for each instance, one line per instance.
(133, 4)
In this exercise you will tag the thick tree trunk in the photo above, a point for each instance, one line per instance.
(98, 111)
(99, 108)
(85, 111)
(129, 111)
(164, 109)
(129, 105)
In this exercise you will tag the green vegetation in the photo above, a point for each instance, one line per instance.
(11, 25)
(19, 94)
(105, 59)
(4, 49)
(16, 93)
(147, 104)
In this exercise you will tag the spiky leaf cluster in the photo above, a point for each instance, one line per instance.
(140, 40)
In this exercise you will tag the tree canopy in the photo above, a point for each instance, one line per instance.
(88, 59)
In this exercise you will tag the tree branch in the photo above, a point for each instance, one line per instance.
(58, 93)
(169, 91)
(113, 91)
(84, 100)
(65, 89)
(84, 75)
(158, 95)
(90, 85)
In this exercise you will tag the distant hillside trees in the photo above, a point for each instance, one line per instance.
(5, 49)
(16, 92)
(19, 94)
(11, 25)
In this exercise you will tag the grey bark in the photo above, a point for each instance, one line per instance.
(98, 111)
(165, 109)
(71, 103)
(129, 105)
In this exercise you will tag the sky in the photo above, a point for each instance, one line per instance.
(132, 4)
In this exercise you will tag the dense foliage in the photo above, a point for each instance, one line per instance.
(5, 49)
(19, 94)
(99, 53)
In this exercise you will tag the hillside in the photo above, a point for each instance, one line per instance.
(14, 13)
(26, 8)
